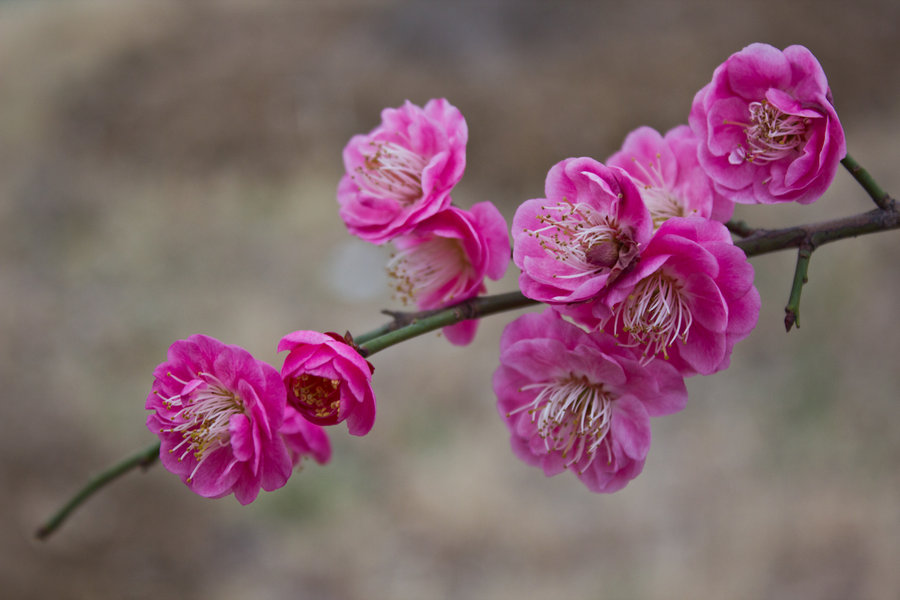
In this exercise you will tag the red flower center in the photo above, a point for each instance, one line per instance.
(316, 396)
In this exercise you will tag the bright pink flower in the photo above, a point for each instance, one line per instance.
(446, 258)
(217, 412)
(769, 129)
(402, 172)
(328, 381)
(670, 178)
(689, 300)
(575, 242)
(582, 402)
(303, 438)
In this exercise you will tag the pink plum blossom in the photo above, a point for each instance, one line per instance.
(446, 259)
(579, 401)
(303, 438)
(217, 412)
(768, 126)
(689, 300)
(668, 173)
(402, 172)
(328, 381)
(586, 233)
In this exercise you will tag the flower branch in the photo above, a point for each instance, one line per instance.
(642, 275)
(407, 325)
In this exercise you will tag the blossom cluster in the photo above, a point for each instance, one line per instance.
(397, 189)
(643, 282)
(229, 423)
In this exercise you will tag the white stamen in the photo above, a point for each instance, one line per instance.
(572, 416)
(658, 197)
(656, 314)
(572, 230)
(426, 268)
(392, 172)
(771, 135)
(206, 408)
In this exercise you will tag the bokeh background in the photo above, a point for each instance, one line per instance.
(168, 167)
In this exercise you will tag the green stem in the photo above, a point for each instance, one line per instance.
(740, 228)
(878, 195)
(792, 310)
(380, 331)
(144, 458)
(410, 326)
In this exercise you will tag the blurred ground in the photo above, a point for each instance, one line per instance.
(169, 168)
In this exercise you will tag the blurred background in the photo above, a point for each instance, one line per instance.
(168, 168)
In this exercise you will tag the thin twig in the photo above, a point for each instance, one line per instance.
(878, 195)
(409, 325)
(740, 228)
(143, 459)
(792, 310)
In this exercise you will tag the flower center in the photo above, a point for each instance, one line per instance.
(317, 395)
(659, 198)
(392, 172)
(662, 204)
(435, 265)
(771, 135)
(583, 239)
(572, 416)
(656, 314)
(205, 407)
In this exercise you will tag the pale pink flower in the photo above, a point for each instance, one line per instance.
(446, 259)
(303, 438)
(402, 172)
(578, 240)
(217, 412)
(768, 126)
(579, 401)
(689, 300)
(668, 173)
(328, 381)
